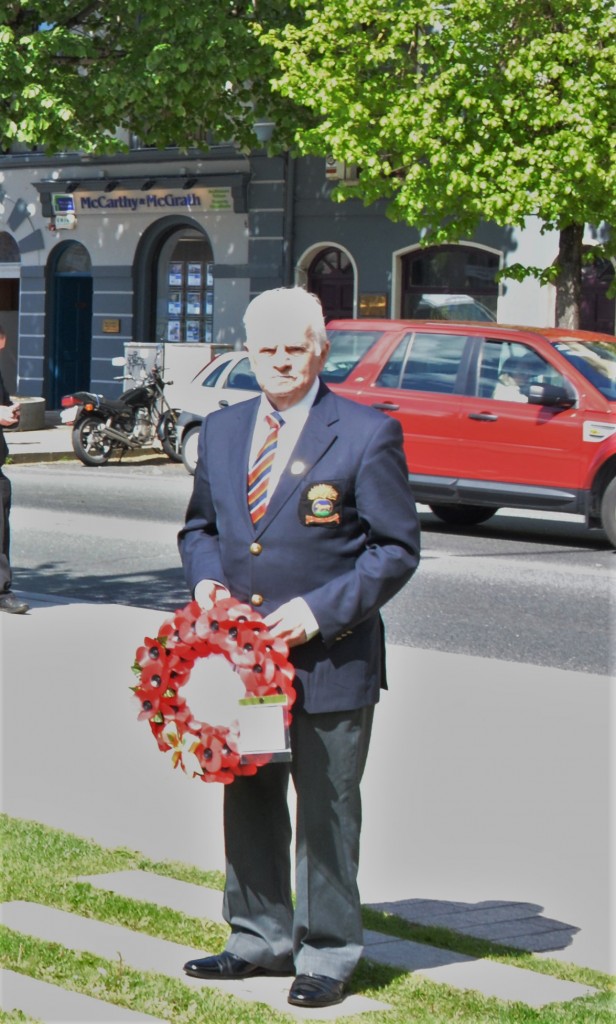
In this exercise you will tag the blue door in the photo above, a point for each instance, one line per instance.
(71, 336)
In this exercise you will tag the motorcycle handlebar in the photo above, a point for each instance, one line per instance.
(151, 376)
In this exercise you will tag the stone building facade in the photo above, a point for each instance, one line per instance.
(163, 248)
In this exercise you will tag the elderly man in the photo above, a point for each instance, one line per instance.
(301, 506)
(9, 416)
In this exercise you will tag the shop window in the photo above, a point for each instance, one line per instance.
(185, 289)
(450, 282)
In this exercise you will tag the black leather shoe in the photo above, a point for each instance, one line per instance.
(10, 603)
(225, 965)
(313, 990)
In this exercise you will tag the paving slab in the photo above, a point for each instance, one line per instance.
(510, 984)
(148, 953)
(185, 897)
(55, 1005)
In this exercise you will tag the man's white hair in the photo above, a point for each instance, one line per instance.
(279, 304)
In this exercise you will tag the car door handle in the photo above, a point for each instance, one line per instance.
(223, 403)
(387, 406)
(490, 417)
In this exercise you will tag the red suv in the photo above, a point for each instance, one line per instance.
(492, 415)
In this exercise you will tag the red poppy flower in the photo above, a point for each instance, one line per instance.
(153, 651)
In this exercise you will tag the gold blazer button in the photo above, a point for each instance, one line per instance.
(256, 548)
(256, 599)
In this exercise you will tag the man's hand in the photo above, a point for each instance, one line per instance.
(9, 415)
(290, 622)
(208, 592)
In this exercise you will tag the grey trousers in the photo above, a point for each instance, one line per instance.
(5, 536)
(323, 933)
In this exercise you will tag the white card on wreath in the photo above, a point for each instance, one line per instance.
(262, 727)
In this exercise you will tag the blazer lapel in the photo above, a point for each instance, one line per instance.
(239, 435)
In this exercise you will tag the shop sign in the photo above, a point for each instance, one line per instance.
(199, 200)
(66, 221)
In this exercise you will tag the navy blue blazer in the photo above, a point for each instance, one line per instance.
(341, 530)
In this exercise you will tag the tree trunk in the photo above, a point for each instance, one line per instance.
(569, 280)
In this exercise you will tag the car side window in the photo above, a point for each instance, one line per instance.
(425, 362)
(346, 349)
(508, 369)
(212, 378)
(242, 378)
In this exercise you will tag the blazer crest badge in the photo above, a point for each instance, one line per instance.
(320, 505)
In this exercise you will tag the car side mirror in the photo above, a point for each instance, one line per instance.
(553, 395)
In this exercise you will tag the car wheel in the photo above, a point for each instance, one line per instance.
(190, 443)
(608, 511)
(463, 515)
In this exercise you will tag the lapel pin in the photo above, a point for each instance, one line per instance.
(297, 468)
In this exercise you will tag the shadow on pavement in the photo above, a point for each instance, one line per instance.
(518, 925)
(164, 589)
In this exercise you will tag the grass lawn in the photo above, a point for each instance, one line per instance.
(40, 864)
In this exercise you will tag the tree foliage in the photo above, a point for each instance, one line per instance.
(463, 111)
(457, 111)
(75, 72)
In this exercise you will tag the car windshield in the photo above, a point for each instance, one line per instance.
(347, 348)
(595, 359)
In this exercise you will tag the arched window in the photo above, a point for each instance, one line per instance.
(9, 275)
(74, 259)
(9, 250)
(331, 278)
(450, 282)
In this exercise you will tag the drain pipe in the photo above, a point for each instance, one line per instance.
(289, 221)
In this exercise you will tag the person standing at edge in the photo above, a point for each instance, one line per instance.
(331, 535)
(9, 416)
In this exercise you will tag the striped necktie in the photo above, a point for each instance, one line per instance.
(259, 474)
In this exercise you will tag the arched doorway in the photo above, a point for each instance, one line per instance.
(449, 282)
(174, 284)
(596, 310)
(330, 276)
(69, 347)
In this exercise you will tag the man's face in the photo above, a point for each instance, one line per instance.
(286, 364)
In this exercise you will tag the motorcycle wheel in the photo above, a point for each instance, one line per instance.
(169, 435)
(89, 444)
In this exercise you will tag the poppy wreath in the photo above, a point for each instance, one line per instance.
(163, 666)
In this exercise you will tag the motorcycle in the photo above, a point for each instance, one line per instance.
(140, 418)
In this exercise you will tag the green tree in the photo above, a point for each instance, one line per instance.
(463, 111)
(75, 73)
